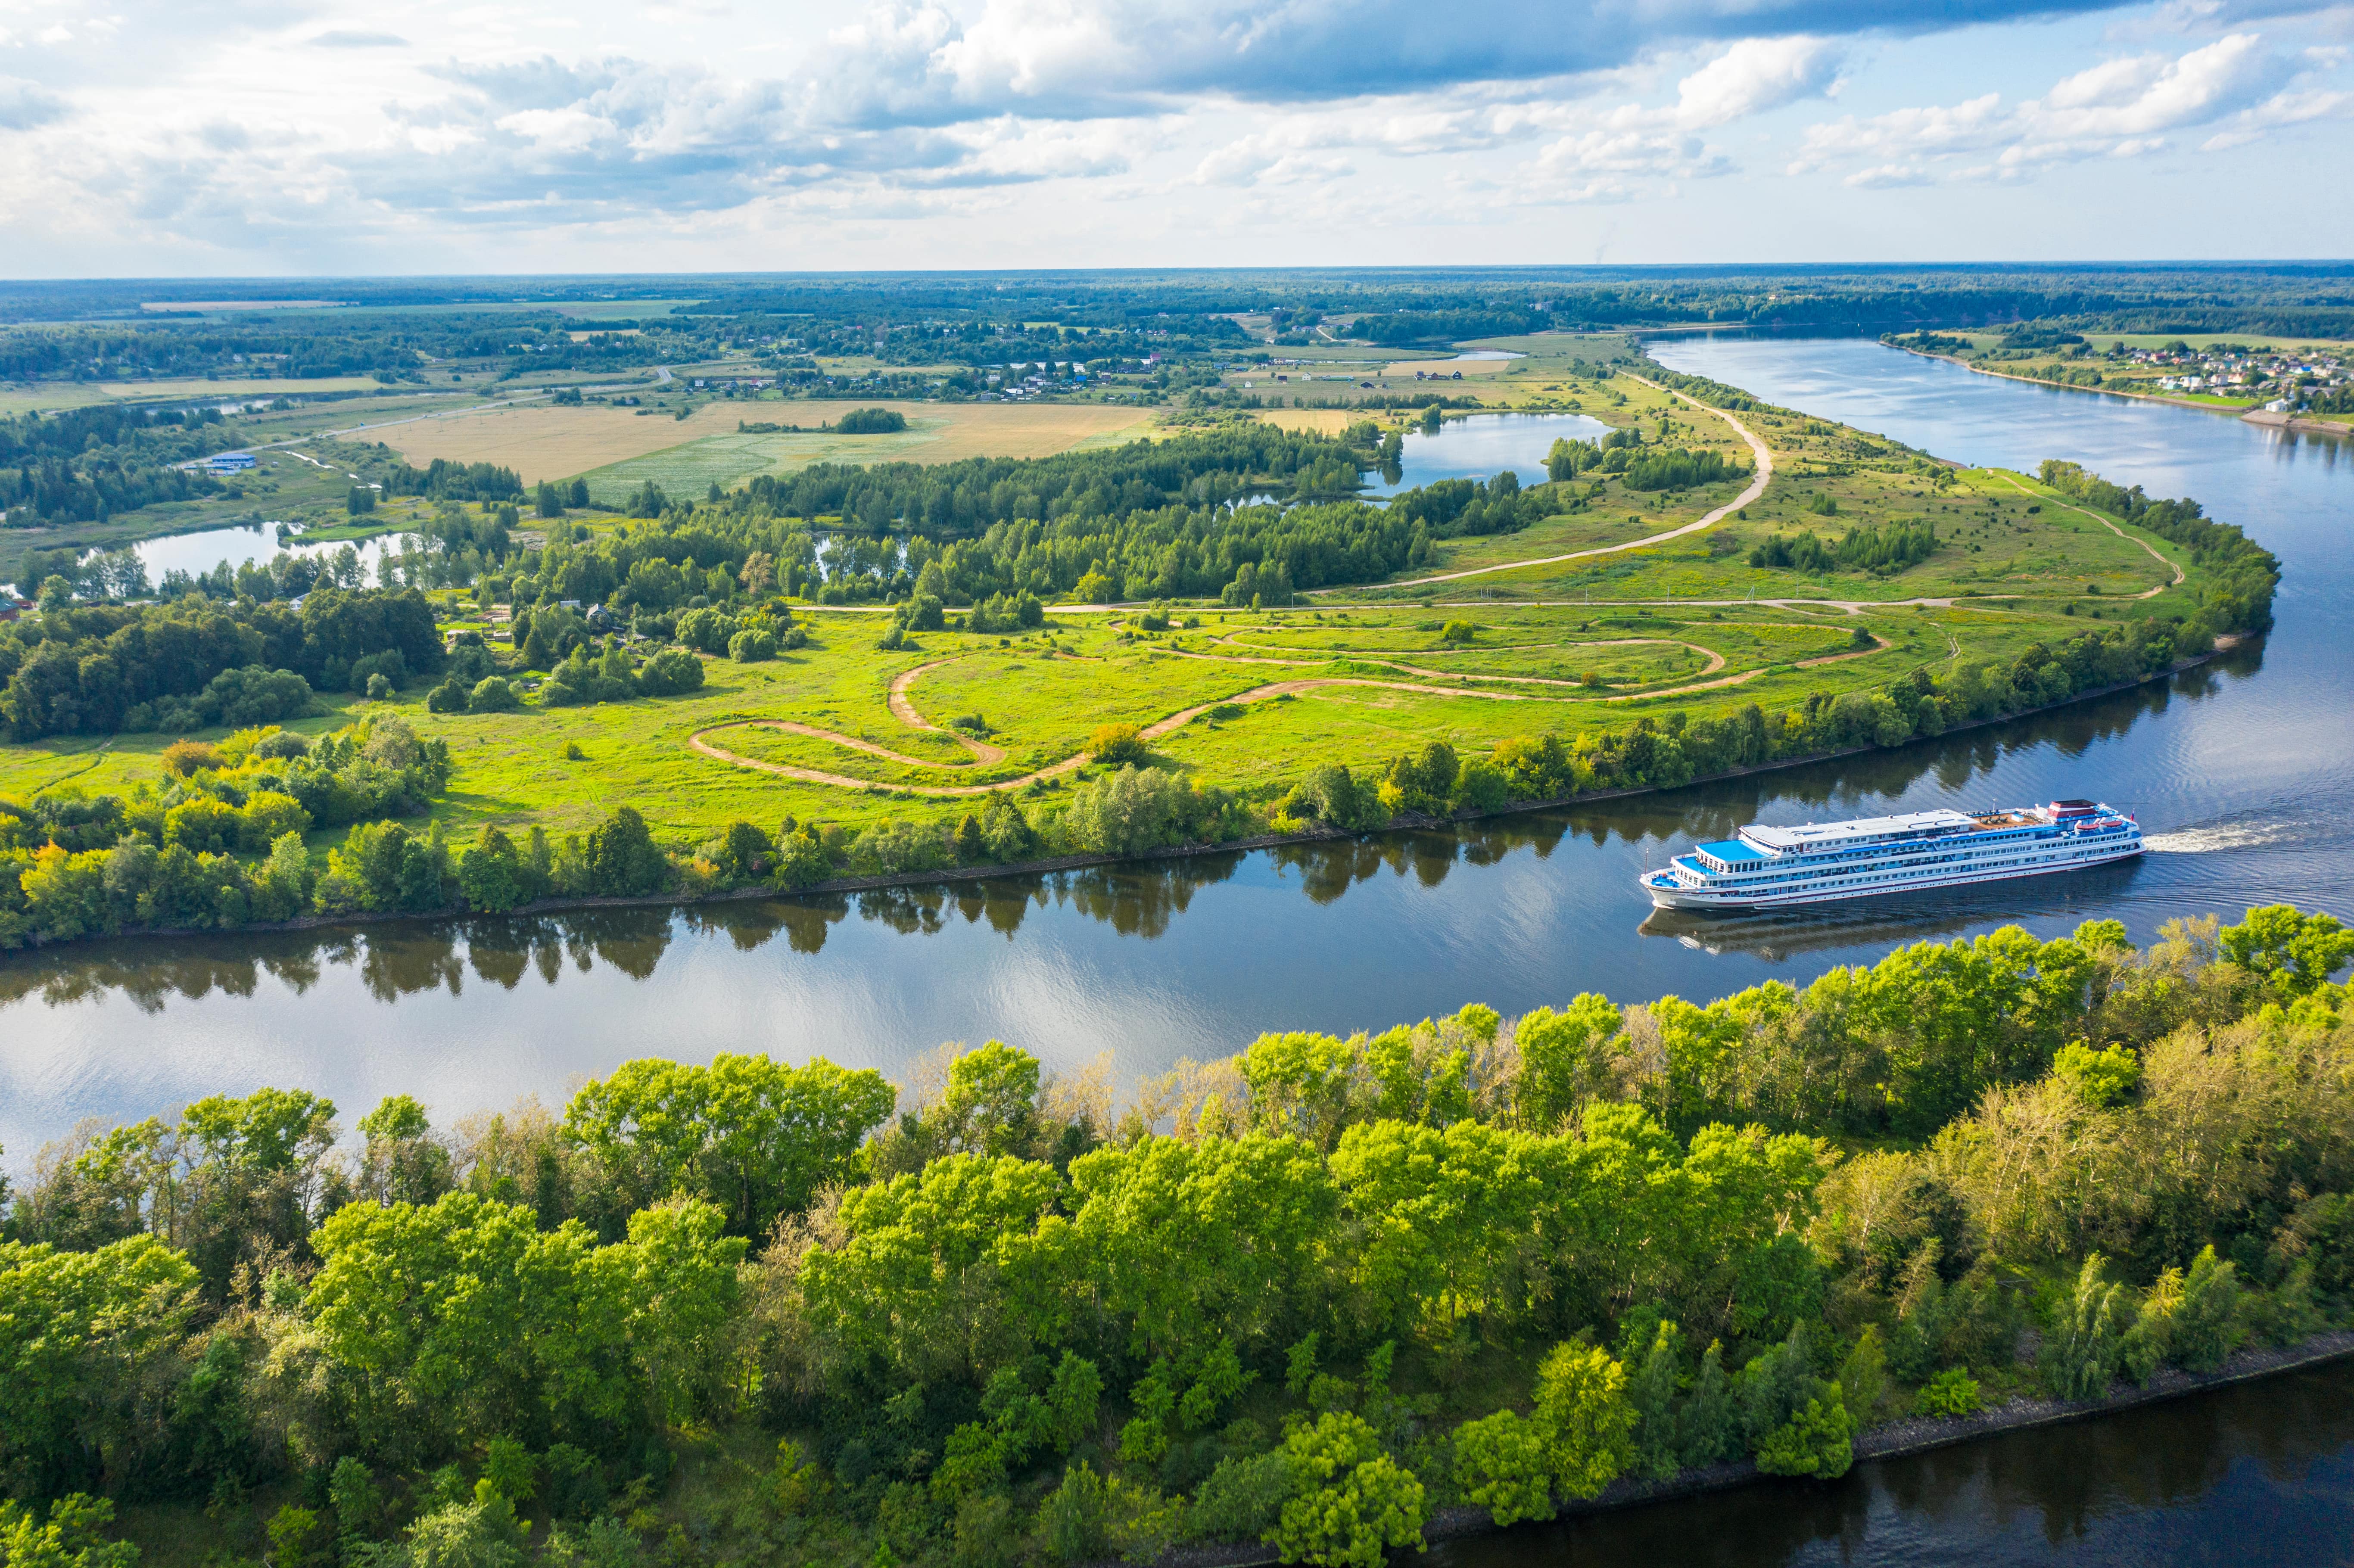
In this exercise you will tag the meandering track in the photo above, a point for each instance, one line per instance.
(1763, 476)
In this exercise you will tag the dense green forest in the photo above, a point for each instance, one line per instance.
(1307, 1295)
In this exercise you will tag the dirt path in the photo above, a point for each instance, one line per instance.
(1716, 661)
(984, 755)
(1879, 645)
(2152, 593)
(1154, 731)
(1763, 476)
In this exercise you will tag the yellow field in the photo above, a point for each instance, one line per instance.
(1322, 421)
(542, 442)
(201, 389)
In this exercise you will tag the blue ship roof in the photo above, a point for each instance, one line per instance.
(1730, 849)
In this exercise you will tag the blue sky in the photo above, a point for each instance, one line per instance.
(327, 136)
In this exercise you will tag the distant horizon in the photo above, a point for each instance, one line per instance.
(2321, 264)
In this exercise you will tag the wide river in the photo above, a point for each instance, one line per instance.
(2239, 770)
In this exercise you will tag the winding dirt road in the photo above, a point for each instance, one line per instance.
(2151, 593)
(1763, 476)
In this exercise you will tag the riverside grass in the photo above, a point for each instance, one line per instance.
(1043, 693)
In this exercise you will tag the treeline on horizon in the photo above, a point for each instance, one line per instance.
(1306, 1296)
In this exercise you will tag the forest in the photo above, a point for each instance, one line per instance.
(1309, 1294)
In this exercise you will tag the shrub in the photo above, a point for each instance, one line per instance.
(1241, 1498)
(492, 695)
(1459, 632)
(1114, 744)
(1950, 1395)
(379, 688)
(706, 629)
(1500, 1465)
(1584, 1418)
(1351, 1502)
(204, 824)
(266, 817)
(449, 697)
(752, 646)
(671, 673)
(184, 758)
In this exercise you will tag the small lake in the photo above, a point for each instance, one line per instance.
(208, 548)
(1481, 446)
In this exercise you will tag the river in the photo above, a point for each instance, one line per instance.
(2237, 769)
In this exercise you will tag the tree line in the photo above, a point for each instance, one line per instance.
(1305, 1296)
(98, 669)
(2247, 573)
(85, 465)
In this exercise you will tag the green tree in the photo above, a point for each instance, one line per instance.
(69, 1537)
(2291, 951)
(2204, 1327)
(483, 1533)
(1585, 1418)
(754, 1135)
(1352, 1501)
(1709, 1430)
(2081, 1347)
(1501, 1463)
(622, 859)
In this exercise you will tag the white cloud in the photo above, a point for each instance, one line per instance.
(1757, 75)
(2122, 108)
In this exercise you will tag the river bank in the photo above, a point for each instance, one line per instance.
(1410, 821)
(2254, 416)
(1894, 1439)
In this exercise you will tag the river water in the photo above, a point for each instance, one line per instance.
(2237, 769)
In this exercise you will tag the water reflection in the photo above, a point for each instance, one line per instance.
(2262, 1473)
(1143, 900)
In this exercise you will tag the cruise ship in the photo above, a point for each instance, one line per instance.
(1764, 868)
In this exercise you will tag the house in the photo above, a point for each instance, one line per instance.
(229, 462)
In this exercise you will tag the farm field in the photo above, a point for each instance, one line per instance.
(936, 433)
(546, 442)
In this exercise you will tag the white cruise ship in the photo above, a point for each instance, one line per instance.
(1764, 868)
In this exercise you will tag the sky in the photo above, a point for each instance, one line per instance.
(331, 137)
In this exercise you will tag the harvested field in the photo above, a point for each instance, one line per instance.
(546, 442)
(1323, 421)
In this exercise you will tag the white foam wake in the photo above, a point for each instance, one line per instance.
(2208, 841)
